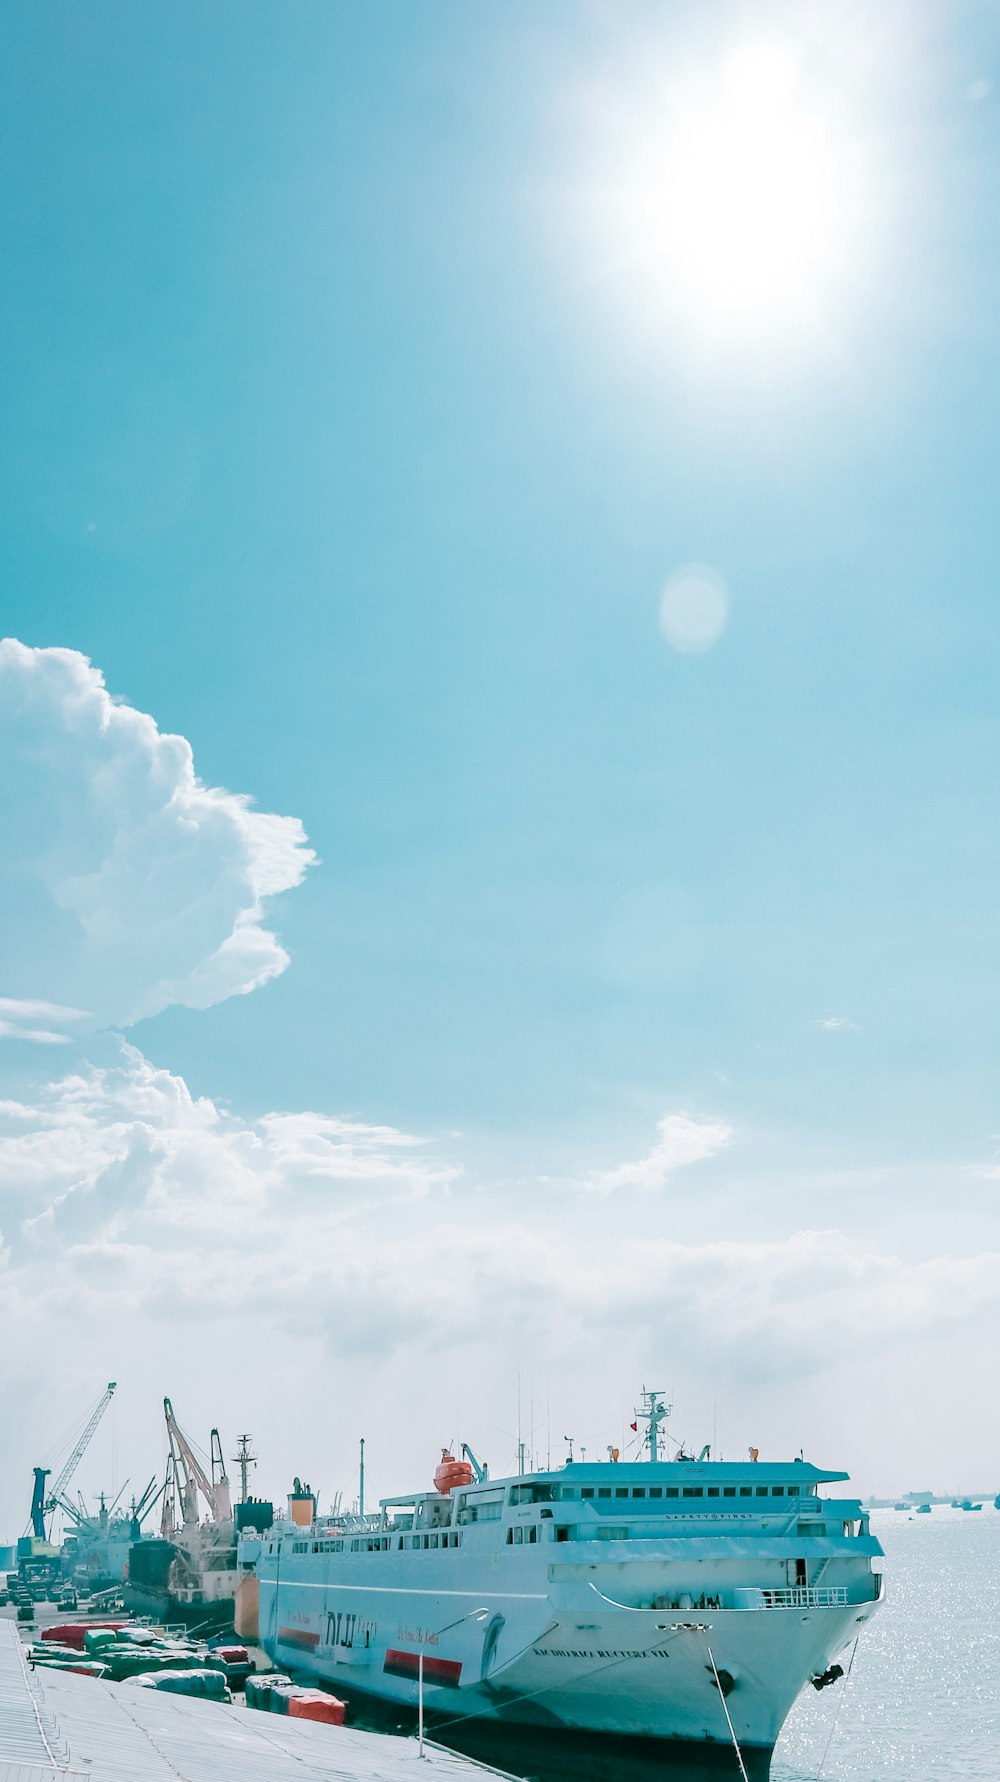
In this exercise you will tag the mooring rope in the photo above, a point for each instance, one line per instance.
(836, 1717)
(725, 1710)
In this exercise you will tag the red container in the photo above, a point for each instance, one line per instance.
(232, 1654)
(72, 1633)
(315, 1704)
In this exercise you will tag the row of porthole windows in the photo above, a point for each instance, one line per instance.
(378, 1544)
(657, 1491)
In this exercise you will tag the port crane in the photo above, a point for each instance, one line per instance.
(43, 1502)
(186, 1477)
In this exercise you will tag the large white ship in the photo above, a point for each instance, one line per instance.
(667, 1599)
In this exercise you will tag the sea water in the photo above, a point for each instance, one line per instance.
(923, 1699)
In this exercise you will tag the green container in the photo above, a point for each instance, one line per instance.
(96, 1638)
(267, 1693)
(123, 1664)
(209, 1685)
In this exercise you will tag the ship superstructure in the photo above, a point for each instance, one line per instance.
(661, 1598)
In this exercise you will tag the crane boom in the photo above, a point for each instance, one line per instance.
(42, 1502)
(191, 1476)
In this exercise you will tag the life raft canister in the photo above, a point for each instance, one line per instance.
(451, 1472)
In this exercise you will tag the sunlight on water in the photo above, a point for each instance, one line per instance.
(924, 1695)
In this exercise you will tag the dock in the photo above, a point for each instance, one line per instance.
(56, 1726)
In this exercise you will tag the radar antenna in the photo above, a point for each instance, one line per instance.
(652, 1412)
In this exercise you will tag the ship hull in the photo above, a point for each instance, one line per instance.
(621, 1673)
(161, 1606)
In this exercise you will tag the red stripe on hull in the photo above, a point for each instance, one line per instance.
(446, 1671)
(297, 1636)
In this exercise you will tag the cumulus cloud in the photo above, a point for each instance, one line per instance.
(124, 1153)
(135, 1211)
(681, 1141)
(118, 1186)
(126, 884)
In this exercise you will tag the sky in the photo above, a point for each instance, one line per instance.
(498, 734)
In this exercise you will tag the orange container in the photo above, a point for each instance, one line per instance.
(315, 1704)
(73, 1633)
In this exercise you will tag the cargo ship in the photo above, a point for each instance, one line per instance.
(189, 1574)
(681, 1599)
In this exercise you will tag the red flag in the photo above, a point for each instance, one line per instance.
(633, 1426)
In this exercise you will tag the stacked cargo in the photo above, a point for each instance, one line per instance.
(123, 1652)
(74, 1633)
(209, 1685)
(277, 1694)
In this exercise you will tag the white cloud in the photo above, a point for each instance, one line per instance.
(835, 1024)
(682, 1141)
(122, 1189)
(339, 1256)
(126, 884)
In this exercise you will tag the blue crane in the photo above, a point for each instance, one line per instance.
(43, 1502)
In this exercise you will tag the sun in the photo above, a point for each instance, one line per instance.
(738, 203)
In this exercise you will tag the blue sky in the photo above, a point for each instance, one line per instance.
(342, 440)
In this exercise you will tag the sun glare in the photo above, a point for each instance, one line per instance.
(739, 203)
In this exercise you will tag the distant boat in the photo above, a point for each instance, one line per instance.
(901, 1506)
(996, 1502)
(925, 1509)
(965, 1503)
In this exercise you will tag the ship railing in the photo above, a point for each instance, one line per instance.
(795, 1596)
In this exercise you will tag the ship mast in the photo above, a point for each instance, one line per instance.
(244, 1459)
(652, 1412)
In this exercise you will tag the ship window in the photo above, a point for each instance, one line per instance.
(612, 1534)
(562, 1534)
(729, 1490)
(638, 1491)
(746, 1491)
(532, 1534)
(777, 1491)
(713, 1491)
(656, 1491)
(621, 1491)
(692, 1491)
(433, 1540)
(604, 1491)
(812, 1528)
(761, 1490)
(518, 1534)
(588, 1491)
(672, 1491)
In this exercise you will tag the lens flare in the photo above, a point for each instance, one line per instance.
(694, 607)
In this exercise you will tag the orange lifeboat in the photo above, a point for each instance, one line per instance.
(451, 1472)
